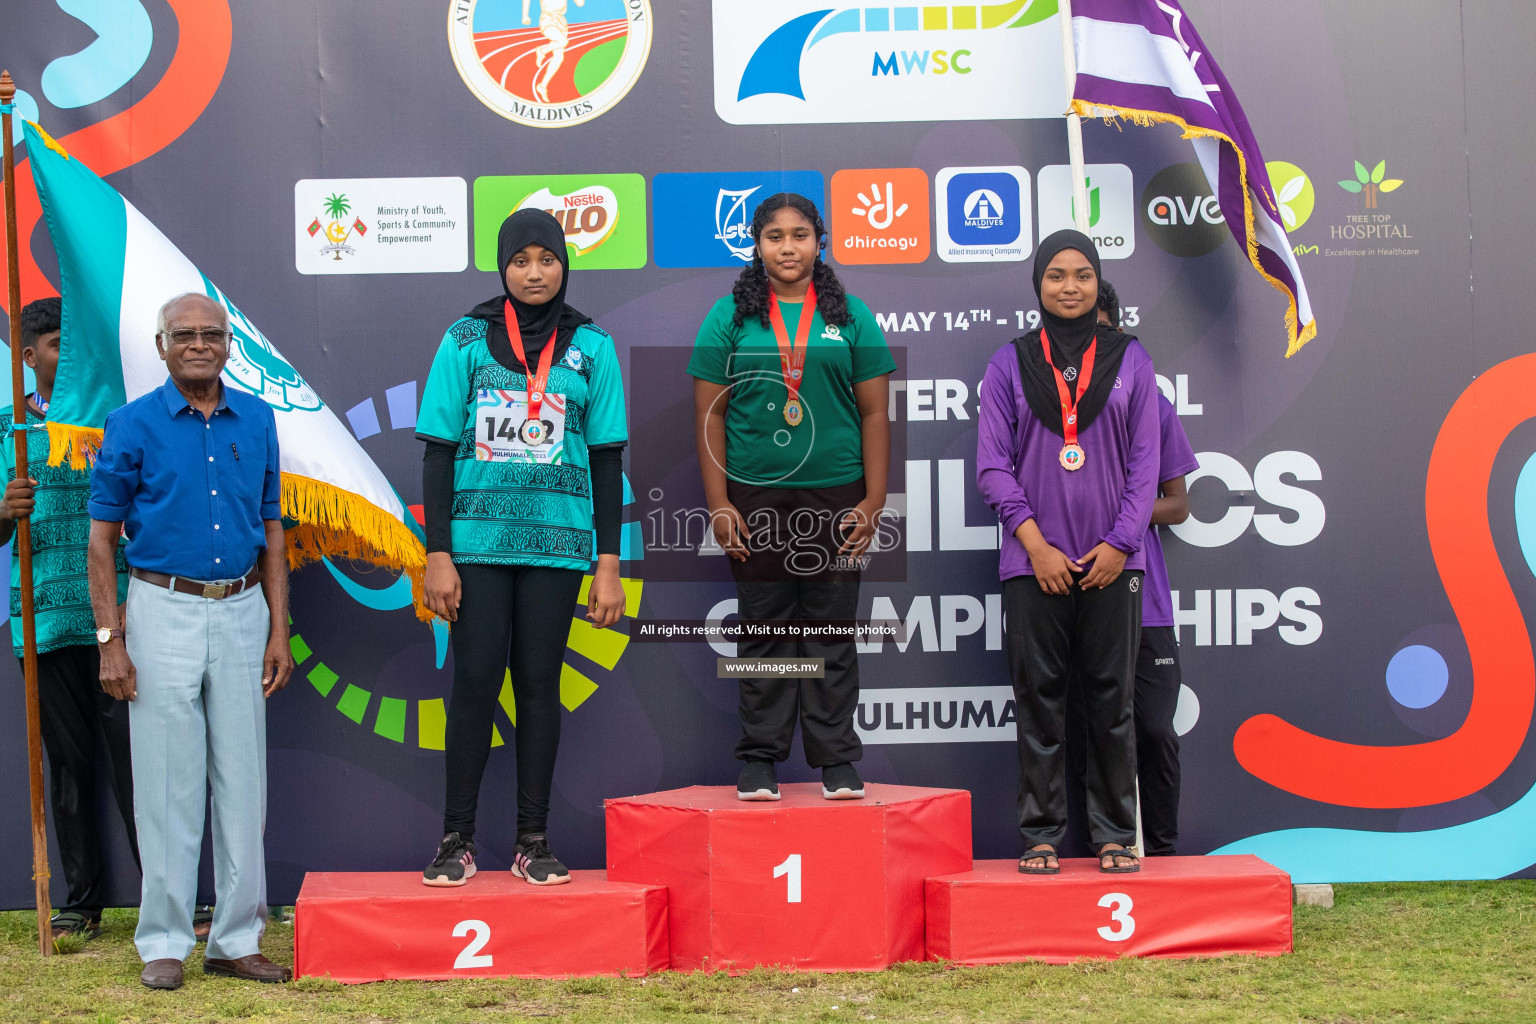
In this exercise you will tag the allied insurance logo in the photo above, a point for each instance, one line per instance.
(708, 220)
(983, 214)
(549, 63)
(804, 62)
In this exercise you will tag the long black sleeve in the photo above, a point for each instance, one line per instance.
(607, 495)
(437, 495)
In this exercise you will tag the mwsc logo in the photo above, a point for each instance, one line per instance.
(801, 62)
(562, 68)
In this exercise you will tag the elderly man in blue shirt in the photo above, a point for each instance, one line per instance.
(190, 473)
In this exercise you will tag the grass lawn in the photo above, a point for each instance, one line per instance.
(1459, 951)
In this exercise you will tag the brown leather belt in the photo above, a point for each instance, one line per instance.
(197, 588)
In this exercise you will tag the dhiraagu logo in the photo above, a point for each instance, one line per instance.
(603, 215)
(804, 62)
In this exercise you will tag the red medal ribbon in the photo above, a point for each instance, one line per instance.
(1068, 403)
(792, 359)
(537, 382)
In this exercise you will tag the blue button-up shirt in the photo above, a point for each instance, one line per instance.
(191, 491)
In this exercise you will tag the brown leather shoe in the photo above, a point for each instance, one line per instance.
(162, 974)
(252, 968)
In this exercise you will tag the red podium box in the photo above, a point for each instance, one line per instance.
(803, 882)
(375, 926)
(1173, 907)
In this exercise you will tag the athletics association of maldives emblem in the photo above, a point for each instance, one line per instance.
(549, 63)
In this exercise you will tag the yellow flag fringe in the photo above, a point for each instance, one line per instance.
(77, 444)
(1297, 334)
(339, 524)
(331, 522)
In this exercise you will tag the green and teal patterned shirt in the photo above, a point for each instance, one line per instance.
(61, 531)
(516, 503)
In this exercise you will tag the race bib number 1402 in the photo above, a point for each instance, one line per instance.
(505, 433)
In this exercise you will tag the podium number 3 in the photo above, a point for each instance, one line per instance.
(790, 867)
(471, 956)
(1120, 913)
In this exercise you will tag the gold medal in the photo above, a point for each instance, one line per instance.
(1072, 457)
(792, 412)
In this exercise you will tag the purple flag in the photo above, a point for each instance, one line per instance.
(1143, 60)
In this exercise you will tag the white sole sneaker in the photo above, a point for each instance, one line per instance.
(757, 794)
(444, 880)
(842, 794)
(551, 880)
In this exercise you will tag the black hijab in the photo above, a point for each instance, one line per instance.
(1069, 340)
(535, 322)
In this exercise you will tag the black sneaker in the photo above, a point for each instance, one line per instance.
(532, 861)
(841, 782)
(758, 781)
(454, 863)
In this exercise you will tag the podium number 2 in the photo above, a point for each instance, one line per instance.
(1120, 913)
(790, 867)
(471, 956)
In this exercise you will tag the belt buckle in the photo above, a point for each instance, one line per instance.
(215, 591)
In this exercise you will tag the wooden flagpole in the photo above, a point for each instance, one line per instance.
(23, 539)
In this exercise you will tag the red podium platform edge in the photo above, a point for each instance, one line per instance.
(666, 839)
(376, 926)
(1175, 907)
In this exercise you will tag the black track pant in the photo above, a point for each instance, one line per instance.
(790, 575)
(80, 723)
(528, 612)
(1092, 634)
(1157, 744)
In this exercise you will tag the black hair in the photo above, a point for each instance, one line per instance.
(1109, 302)
(40, 317)
(751, 288)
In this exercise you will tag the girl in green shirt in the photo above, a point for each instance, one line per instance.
(791, 382)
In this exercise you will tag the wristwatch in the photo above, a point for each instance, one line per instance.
(106, 634)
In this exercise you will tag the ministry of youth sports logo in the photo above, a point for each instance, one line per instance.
(549, 63)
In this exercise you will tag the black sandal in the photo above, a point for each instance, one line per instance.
(1044, 856)
(1112, 851)
(72, 922)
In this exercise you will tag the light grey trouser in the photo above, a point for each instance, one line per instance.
(199, 718)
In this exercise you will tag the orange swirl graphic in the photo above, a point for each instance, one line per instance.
(141, 131)
(1504, 691)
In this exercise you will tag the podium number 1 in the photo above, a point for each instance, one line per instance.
(790, 867)
(471, 956)
(1120, 913)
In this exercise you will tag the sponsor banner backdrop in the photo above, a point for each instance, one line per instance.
(1350, 589)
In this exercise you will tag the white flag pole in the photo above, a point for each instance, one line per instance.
(1074, 122)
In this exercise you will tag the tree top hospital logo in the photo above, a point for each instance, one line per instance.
(802, 62)
(549, 63)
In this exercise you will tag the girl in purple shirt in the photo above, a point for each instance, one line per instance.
(1067, 455)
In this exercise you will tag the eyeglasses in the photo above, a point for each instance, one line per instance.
(208, 336)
